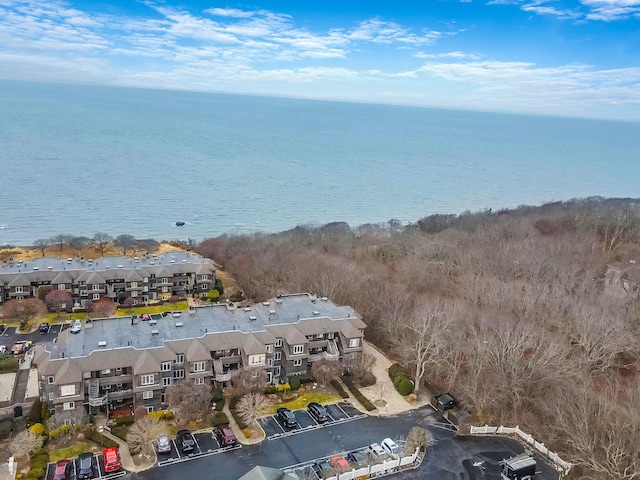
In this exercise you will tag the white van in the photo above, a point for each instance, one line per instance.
(390, 447)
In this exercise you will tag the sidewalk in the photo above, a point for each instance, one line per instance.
(395, 403)
(238, 431)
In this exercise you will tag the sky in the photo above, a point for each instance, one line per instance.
(571, 58)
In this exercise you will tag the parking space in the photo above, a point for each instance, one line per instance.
(206, 442)
(338, 413)
(98, 470)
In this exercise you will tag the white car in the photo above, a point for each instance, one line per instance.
(390, 447)
(376, 452)
(76, 327)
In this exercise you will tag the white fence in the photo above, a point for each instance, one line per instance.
(560, 464)
(379, 469)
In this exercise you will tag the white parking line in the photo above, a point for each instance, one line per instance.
(197, 444)
(171, 461)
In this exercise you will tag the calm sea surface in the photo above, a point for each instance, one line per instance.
(83, 159)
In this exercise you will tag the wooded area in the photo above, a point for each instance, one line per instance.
(506, 310)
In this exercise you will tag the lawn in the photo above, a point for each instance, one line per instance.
(67, 452)
(302, 401)
(167, 307)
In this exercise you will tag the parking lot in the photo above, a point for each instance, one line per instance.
(98, 470)
(338, 413)
(206, 444)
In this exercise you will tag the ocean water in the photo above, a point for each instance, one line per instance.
(82, 159)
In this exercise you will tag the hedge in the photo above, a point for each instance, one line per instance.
(405, 386)
(217, 395)
(395, 370)
(101, 439)
(232, 408)
(356, 393)
(368, 379)
(36, 473)
(120, 431)
(219, 418)
(128, 420)
(338, 386)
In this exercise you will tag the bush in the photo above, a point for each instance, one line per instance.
(356, 393)
(232, 408)
(247, 432)
(220, 418)
(128, 420)
(220, 404)
(39, 461)
(405, 386)
(219, 286)
(271, 389)
(336, 384)
(397, 380)
(237, 297)
(368, 379)
(35, 412)
(36, 473)
(38, 429)
(216, 394)
(101, 439)
(213, 295)
(168, 415)
(395, 370)
(120, 431)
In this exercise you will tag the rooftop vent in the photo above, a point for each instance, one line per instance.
(135, 258)
(91, 260)
(324, 299)
(107, 267)
(253, 318)
(266, 304)
(179, 324)
(152, 263)
(102, 343)
(155, 331)
(173, 261)
(272, 312)
(278, 301)
(247, 309)
(120, 266)
(316, 313)
(36, 268)
(153, 321)
(184, 260)
(49, 268)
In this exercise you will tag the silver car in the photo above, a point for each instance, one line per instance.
(76, 327)
(164, 444)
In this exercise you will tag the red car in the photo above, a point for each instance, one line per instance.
(63, 470)
(110, 459)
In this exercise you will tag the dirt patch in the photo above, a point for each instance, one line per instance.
(90, 251)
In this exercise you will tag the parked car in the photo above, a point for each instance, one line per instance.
(357, 460)
(76, 327)
(110, 459)
(376, 452)
(62, 470)
(3, 327)
(286, 417)
(323, 469)
(185, 441)
(390, 446)
(21, 347)
(445, 402)
(164, 444)
(318, 412)
(3, 350)
(225, 436)
(339, 464)
(85, 466)
(44, 327)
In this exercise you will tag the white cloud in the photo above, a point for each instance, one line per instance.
(456, 54)
(229, 12)
(611, 10)
(596, 10)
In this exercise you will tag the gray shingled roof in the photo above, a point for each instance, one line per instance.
(196, 352)
(69, 372)
(146, 363)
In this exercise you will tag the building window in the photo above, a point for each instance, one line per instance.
(270, 362)
(83, 283)
(330, 335)
(68, 405)
(199, 381)
(278, 342)
(149, 409)
(96, 296)
(119, 369)
(96, 286)
(166, 366)
(354, 342)
(147, 379)
(134, 294)
(147, 395)
(134, 284)
(198, 367)
(167, 381)
(205, 277)
(50, 396)
(61, 286)
(178, 374)
(67, 390)
(256, 359)
(164, 297)
(50, 379)
(164, 280)
(277, 356)
(106, 371)
(269, 348)
(297, 362)
(180, 358)
(298, 349)
(205, 286)
(19, 290)
(19, 297)
(276, 371)
(165, 289)
(255, 373)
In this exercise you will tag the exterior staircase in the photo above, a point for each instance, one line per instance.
(95, 400)
(218, 370)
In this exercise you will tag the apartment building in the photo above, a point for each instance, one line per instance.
(124, 362)
(146, 278)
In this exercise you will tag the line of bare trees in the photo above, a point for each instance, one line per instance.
(99, 241)
(506, 310)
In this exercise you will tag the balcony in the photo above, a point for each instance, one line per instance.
(120, 394)
(223, 377)
(98, 401)
(116, 379)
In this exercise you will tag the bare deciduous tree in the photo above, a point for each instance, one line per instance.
(25, 442)
(42, 244)
(323, 371)
(58, 300)
(103, 308)
(250, 407)
(124, 242)
(101, 239)
(24, 311)
(143, 433)
(360, 366)
(248, 381)
(78, 243)
(188, 401)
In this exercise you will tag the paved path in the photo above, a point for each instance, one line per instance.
(125, 456)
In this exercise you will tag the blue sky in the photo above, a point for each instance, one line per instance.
(576, 58)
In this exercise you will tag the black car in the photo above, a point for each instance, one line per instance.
(324, 469)
(286, 417)
(85, 466)
(44, 327)
(356, 459)
(3, 327)
(185, 441)
(318, 412)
